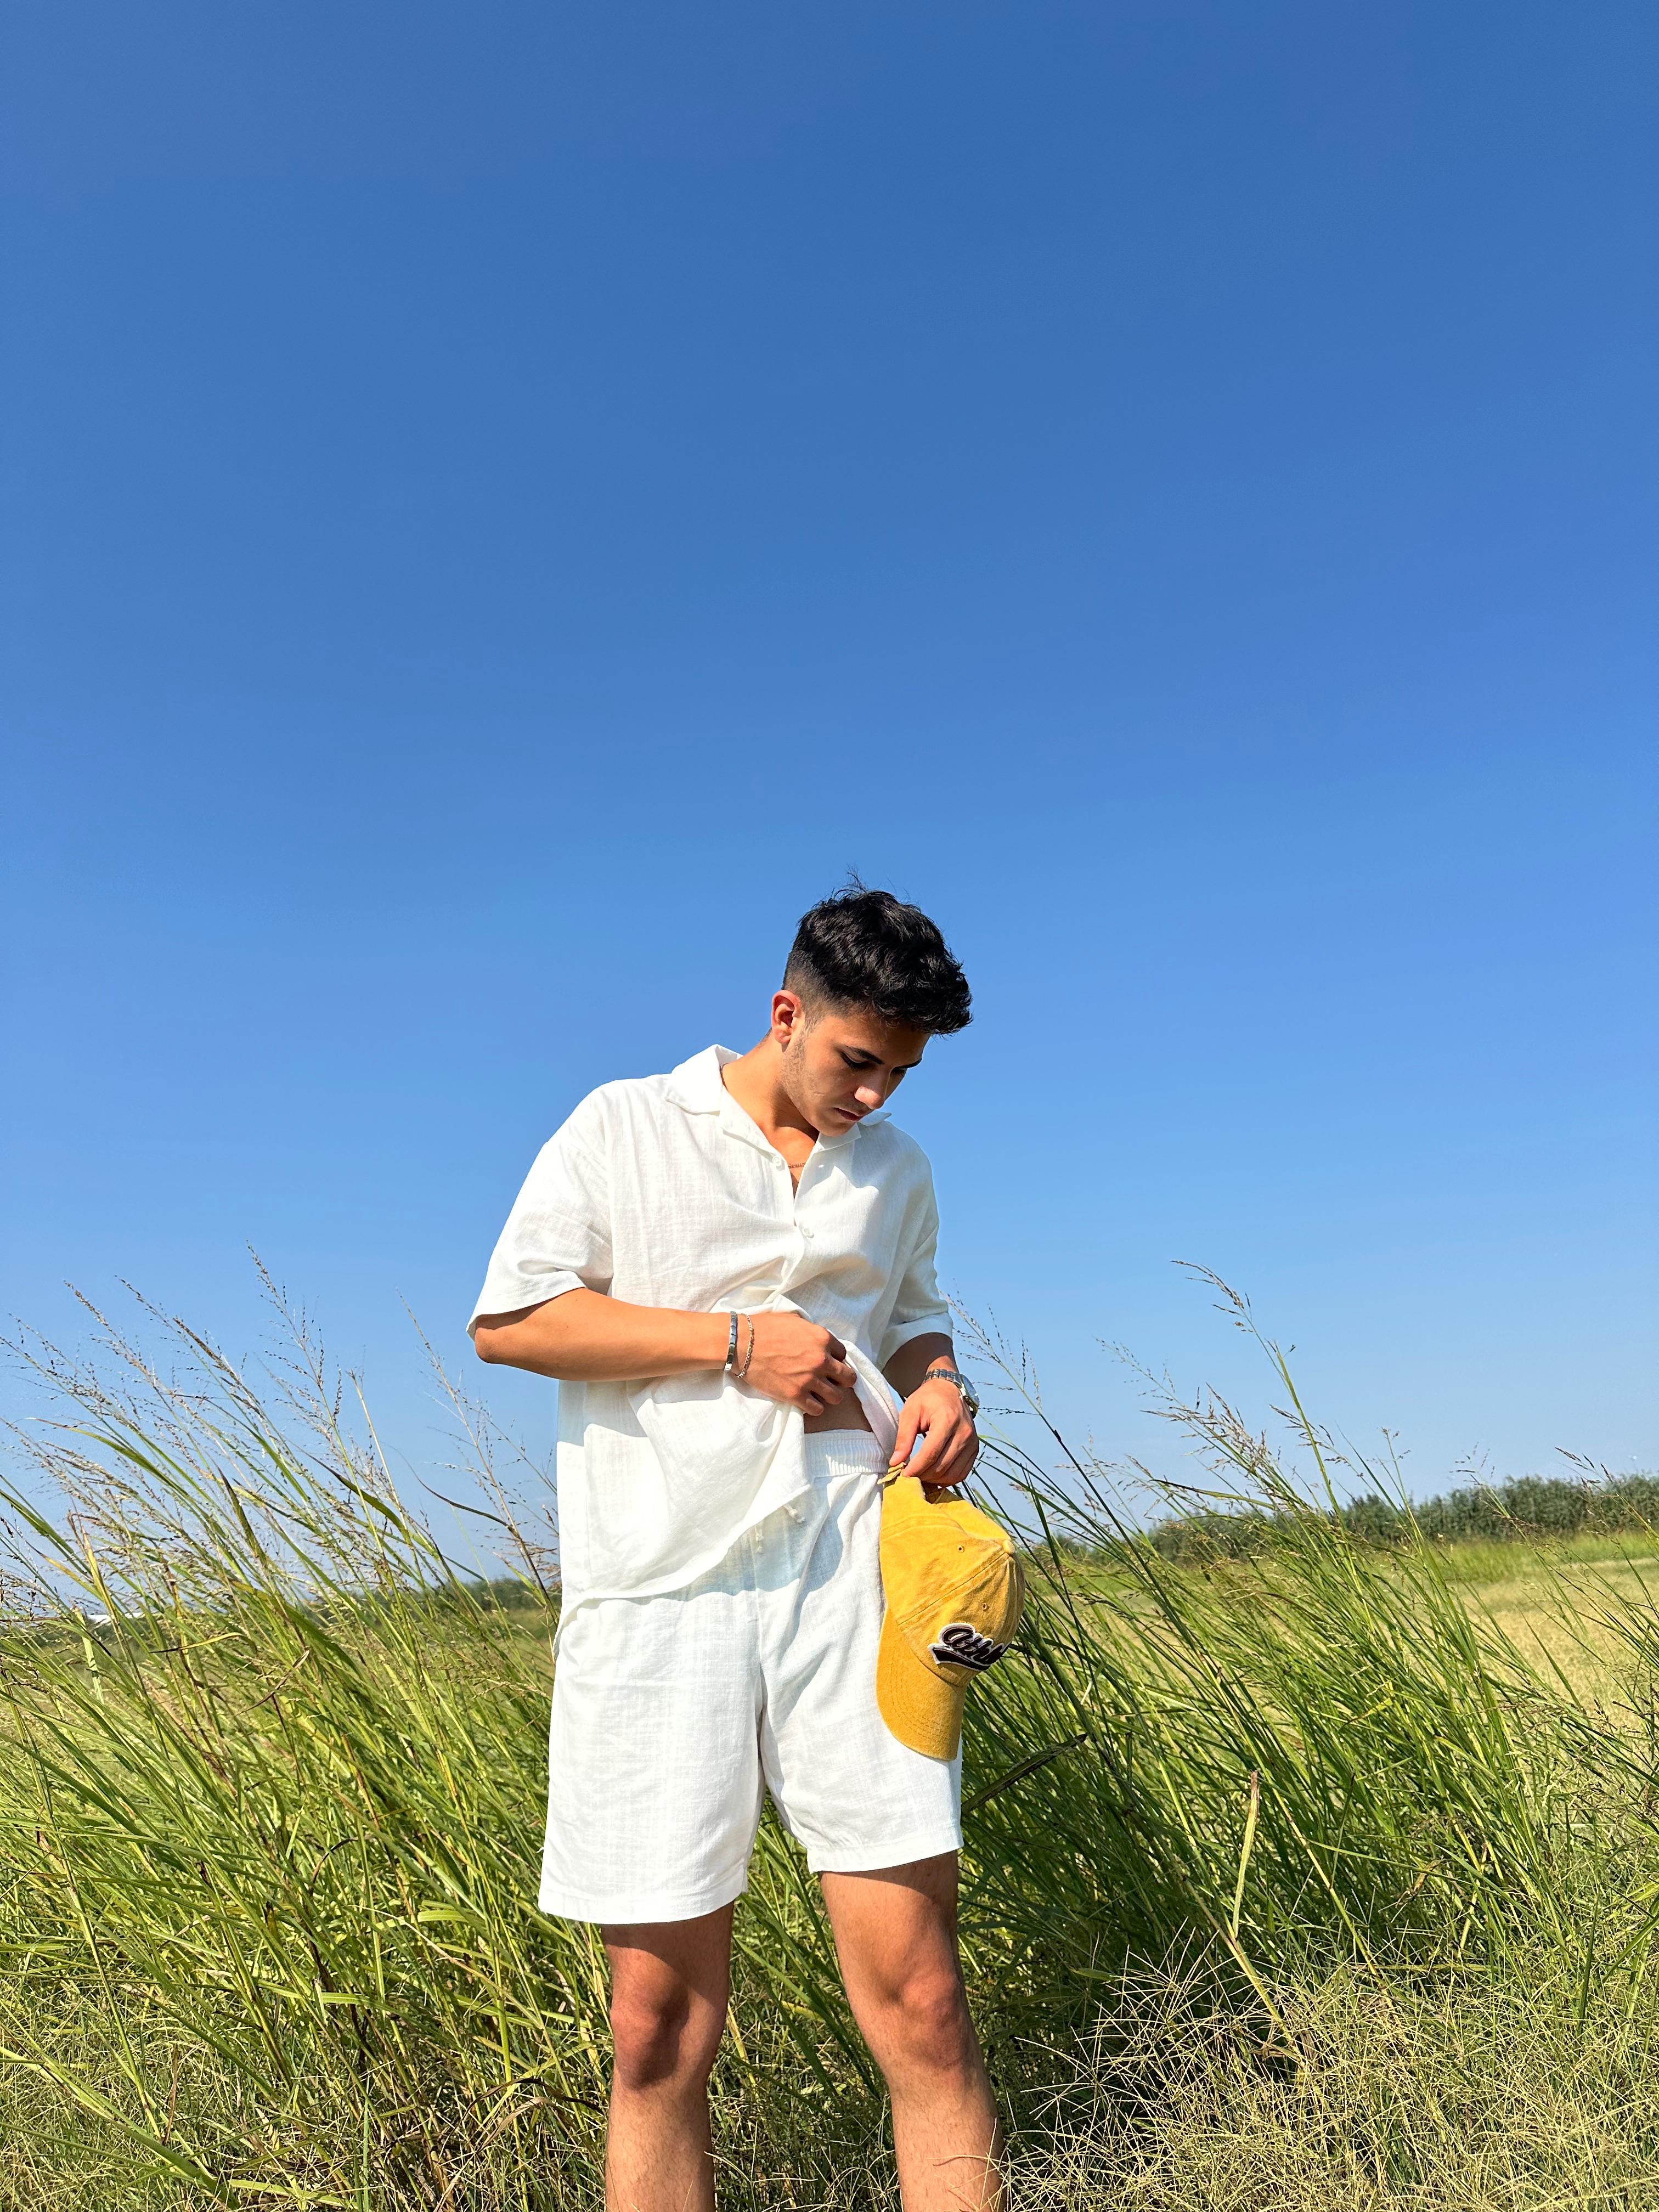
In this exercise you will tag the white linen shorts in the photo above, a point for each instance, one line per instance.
(672, 1714)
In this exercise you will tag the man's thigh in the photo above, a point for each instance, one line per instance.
(671, 1981)
(895, 1930)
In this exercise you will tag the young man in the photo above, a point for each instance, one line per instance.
(729, 1271)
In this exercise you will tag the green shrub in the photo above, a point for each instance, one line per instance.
(1526, 1509)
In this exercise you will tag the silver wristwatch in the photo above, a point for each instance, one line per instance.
(969, 1395)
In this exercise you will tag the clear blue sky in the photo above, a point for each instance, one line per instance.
(503, 505)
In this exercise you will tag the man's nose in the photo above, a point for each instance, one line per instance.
(868, 1097)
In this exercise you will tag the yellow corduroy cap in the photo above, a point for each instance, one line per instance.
(954, 1591)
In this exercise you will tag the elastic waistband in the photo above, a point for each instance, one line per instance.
(833, 1449)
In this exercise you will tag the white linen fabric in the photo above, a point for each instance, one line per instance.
(663, 1192)
(673, 1714)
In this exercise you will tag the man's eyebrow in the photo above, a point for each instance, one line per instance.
(861, 1056)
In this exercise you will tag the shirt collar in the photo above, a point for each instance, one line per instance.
(695, 1085)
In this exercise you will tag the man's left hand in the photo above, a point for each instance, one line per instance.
(937, 1442)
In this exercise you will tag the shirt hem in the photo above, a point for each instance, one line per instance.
(897, 1337)
(540, 1295)
(704, 1563)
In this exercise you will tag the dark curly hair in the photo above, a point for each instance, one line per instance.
(863, 948)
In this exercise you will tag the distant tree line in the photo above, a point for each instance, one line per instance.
(1525, 1509)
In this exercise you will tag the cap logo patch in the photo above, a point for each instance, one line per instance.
(960, 1644)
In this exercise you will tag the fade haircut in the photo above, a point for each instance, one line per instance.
(863, 948)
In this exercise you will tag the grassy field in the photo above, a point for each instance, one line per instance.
(1321, 1878)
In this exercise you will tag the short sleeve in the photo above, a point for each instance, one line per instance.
(557, 1237)
(918, 1311)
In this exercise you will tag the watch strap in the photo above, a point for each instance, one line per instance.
(969, 1395)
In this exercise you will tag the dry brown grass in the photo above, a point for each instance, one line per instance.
(1475, 2101)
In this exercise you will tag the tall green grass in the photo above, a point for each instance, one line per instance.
(1281, 1846)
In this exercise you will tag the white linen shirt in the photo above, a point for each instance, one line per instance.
(663, 1192)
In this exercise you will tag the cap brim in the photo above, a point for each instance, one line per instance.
(920, 1709)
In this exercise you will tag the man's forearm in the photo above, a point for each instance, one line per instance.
(583, 1336)
(905, 1369)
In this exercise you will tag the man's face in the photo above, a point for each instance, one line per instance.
(841, 1063)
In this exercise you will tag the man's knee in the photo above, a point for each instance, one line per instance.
(924, 2023)
(660, 2040)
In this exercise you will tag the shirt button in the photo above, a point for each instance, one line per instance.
(805, 1230)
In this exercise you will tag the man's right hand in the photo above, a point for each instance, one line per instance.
(798, 1362)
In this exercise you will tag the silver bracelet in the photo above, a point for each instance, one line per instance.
(749, 1352)
(732, 1342)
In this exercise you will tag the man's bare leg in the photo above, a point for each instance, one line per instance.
(896, 1932)
(668, 1986)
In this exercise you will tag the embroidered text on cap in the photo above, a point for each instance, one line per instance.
(960, 1644)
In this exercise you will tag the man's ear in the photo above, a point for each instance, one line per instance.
(788, 1016)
